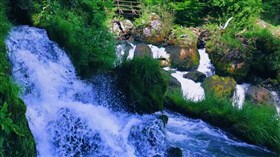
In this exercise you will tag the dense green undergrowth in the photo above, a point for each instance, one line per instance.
(256, 124)
(78, 26)
(143, 82)
(15, 136)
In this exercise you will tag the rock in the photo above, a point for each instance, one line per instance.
(142, 50)
(196, 76)
(259, 95)
(203, 37)
(123, 29)
(164, 119)
(183, 58)
(174, 152)
(219, 86)
(174, 82)
(183, 37)
(152, 32)
(228, 60)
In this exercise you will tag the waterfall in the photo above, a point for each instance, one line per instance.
(205, 65)
(68, 118)
(62, 112)
(239, 94)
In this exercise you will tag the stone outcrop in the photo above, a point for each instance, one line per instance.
(222, 87)
(183, 58)
(142, 50)
(259, 95)
(196, 76)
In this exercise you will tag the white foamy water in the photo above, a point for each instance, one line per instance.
(239, 94)
(159, 52)
(191, 90)
(61, 109)
(276, 101)
(205, 65)
(66, 120)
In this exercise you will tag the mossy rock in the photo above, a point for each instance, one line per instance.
(184, 59)
(230, 55)
(219, 86)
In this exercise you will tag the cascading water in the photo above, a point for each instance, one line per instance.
(205, 65)
(239, 94)
(67, 119)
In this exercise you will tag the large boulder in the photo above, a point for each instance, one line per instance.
(219, 86)
(196, 76)
(142, 50)
(183, 58)
(259, 95)
(230, 58)
(122, 28)
(152, 33)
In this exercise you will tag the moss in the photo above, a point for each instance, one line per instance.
(15, 140)
(230, 53)
(143, 82)
(219, 86)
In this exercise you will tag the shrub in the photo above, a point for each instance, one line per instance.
(79, 27)
(15, 136)
(143, 82)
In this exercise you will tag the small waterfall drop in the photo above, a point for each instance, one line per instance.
(66, 119)
(239, 94)
(205, 65)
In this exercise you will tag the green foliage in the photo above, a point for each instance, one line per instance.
(143, 82)
(271, 11)
(164, 12)
(256, 124)
(15, 136)
(78, 26)
(266, 55)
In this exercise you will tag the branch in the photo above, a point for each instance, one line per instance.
(226, 24)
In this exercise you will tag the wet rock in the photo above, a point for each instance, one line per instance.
(174, 83)
(219, 86)
(259, 95)
(164, 119)
(142, 50)
(203, 37)
(183, 58)
(123, 29)
(196, 76)
(174, 152)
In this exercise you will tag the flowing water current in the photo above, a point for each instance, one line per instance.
(69, 117)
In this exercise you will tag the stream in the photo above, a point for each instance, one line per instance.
(68, 118)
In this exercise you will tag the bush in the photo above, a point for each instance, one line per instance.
(271, 11)
(266, 55)
(15, 137)
(79, 27)
(143, 82)
(258, 125)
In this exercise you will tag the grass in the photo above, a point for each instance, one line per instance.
(80, 27)
(143, 82)
(15, 136)
(256, 124)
